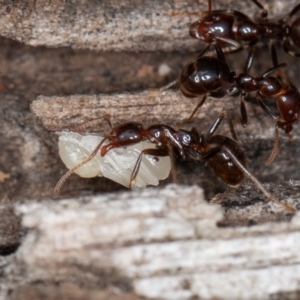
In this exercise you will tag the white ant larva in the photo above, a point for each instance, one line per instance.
(117, 164)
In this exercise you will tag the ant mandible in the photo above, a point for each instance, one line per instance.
(208, 76)
(235, 28)
(224, 155)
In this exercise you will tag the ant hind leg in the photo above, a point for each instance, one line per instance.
(193, 112)
(153, 152)
(288, 49)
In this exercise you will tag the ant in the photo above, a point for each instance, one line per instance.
(208, 75)
(223, 154)
(235, 28)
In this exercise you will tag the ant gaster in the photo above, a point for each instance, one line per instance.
(230, 26)
(208, 76)
(223, 154)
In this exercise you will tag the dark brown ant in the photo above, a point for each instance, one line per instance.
(209, 75)
(224, 155)
(233, 27)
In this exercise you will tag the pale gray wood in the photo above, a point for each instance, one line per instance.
(165, 244)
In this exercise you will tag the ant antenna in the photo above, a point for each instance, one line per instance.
(275, 148)
(107, 119)
(71, 171)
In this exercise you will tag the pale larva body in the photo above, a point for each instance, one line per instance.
(117, 164)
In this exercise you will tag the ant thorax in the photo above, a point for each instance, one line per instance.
(117, 164)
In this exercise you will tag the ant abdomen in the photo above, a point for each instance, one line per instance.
(206, 28)
(203, 75)
(222, 163)
(289, 106)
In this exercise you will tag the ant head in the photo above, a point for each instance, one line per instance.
(195, 31)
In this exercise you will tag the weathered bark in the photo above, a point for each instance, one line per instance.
(112, 25)
(157, 244)
(85, 113)
(63, 250)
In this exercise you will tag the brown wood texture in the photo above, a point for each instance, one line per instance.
(87, 247)
(140, 25)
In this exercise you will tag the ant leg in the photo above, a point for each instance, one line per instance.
(154, 152)
(214, 126)
(236, 46)
(281, 75)
(275, 148)
(220, 53)
(202, 52)
(217, 123)
(265, 108)
(71, 171)
(264, 13)
(274, 69)
(250, 57)
(244, 117)
(107, 119)
(291, 14)
(165, 87)
(274, 54)
(257, 183)
(209, 6)
(230, 124)
(288, 49)
(193, 112)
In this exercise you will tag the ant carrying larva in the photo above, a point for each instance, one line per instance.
(224, 155)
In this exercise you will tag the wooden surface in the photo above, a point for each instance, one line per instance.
(157, 244)
(167, 242)
(112, 25)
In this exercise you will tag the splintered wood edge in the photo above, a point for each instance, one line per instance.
(165, 243)
(115, 25)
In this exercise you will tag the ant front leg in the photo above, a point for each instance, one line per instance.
(287, 47)
(244, 116)
(160, 152)
(217, 123)
(250, 57)
(274, 69)
(165, 87)
(193, 112)
(282, 76)
(294, 11)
